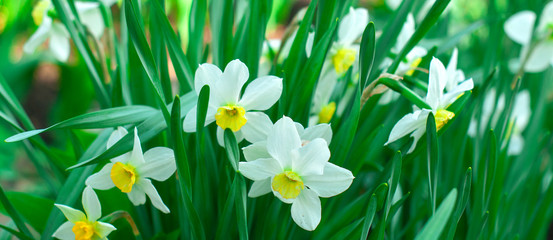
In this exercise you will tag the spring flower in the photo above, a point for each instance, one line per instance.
(415, 123)
(296, 173)
(50, 28)
(227, 108)
(519, 118)
(84, 226)
(519, 28)
(132, 171)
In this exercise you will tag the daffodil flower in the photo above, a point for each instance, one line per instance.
(519, 28)
(343, 55)
(83, 226)
(132, 171)
(52, 29)
(228, 108)
(296, 173)
(415, 123)
(519, 118)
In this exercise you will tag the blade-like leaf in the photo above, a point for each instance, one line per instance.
(433, 228)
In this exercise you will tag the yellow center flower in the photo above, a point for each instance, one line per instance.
(288, 184)
(231, 116)
(413, 66)
(343, 59)
(327, 112)
(39, 10)
(83, 230)
(442, 117)
(124, 176)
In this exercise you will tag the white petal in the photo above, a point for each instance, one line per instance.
(38, 37)
(352, 25)
(230, 85)
(59, 42)
(262, 93)
(91, 204)
(519, 27)
(256, 151)
(257, 127)
(282, 140)
(452, 71)
(221, 136)
(516, 145)
(306, 210)
(137, 196)
(451, 96)
(416, 135)
(189, 123)
(334, 181)
(260, 169)
(309, 43)
(104, 229)
(116, 135)
(521, 110)
(65, 231)
(137, 158)
(406, 32)
(324, 89)
(206, 74)
(148, 188)
(393, 4)
(260, 188)
(312, 158)
(91, 17)
(102, 179)
(323, 131)
(159, 164)
(73, 215)
(546, 18)
(436, 83)
(408, 124)
(540, 57)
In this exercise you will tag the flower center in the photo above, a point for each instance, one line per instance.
(83, 230)
(288, 184)
(343, 59)
(39, 10)
(442, 117)
(231, 116)
(123, 176)
(413, 66)
(327, 112)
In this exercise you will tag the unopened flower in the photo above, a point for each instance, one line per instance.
(230, 109)
(84, 226)
(415, 123)
(132, 171)
(296, 173)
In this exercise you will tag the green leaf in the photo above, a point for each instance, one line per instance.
(366, 54)
(433, 158)
(196, 33)
(369, 216)
(240, 202)
(11, 211)
(111, 117)
(343, 140)
(15, 233)
(463, 200)
(231, 147)
(221, 22)
(404, 91)
(345, 233)
(433, 228)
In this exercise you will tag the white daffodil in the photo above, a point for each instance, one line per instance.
(296, 173)
(84, 226)
(132, 171)
(519, 118)
(342, 56)
(52, 29)
(519, 28)
(227, 108)
(415, 123)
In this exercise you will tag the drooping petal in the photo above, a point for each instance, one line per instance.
(540, 57)
(73, 215)
(519, 27)
(116, 135)
(352, 25)
(282, 140)
(407, 124)
(230, 85)
(521, 111)
(516, 144)
(137, 196)
(256, 151)
(257, 128)
(306, 210)
(260, 169)
(312, 158)
(137, 158)
(148, 188)
(262, 93)
(102, 179)
(437, 79)
(65, 231)
(91, 17)
(59, 42)
(416, 135)
(323, 131)
(159, 164)
(332, 182)
(260, 188)
(104, 229)
(38, 37)
(91, 204)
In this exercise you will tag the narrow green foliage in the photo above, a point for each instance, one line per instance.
(433, 159)
(369, 216)
(15, 233)
(231, 147)
(13, 213)
(404, 91)
(433, 228)
(367, 53)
